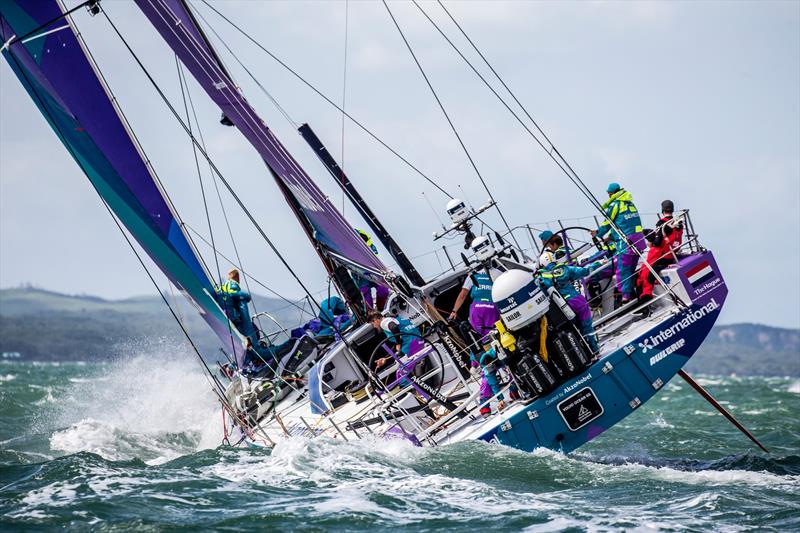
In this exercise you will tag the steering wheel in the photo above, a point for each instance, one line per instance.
(430, 362)
(598, 243)
(594, 239)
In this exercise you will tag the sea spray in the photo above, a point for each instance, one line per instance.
(154, 405)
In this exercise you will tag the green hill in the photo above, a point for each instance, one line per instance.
(749, 349)
(46, 325)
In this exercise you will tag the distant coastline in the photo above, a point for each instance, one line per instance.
(44, 325)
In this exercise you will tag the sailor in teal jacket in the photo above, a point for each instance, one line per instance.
(233, 301)
(402, 334)
(333, 316)
(365, 286)
(621, 210)
(563, 278)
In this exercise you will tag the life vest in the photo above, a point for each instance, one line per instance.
(481, 290)
(230, 287)
(620, 209)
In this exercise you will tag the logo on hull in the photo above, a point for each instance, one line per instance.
(666, 351)
(689, 318)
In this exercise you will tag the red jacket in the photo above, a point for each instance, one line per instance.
(664, 239)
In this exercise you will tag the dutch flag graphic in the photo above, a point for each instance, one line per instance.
(700, 273)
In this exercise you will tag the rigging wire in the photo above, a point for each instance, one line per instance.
(327, 99)
(238, 263)
(181, 81)
(449, 120)
(552, 151)
(558, 158)
(184, 84)
(227, 184)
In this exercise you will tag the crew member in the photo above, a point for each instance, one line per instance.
(561, 277)
(234, 301)
(553, 242)
(620, 210)
(664, 241)
(333, 316)
(365, 285)
(402, 334)
(482, 312)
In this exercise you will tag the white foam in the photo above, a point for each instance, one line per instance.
(8, 377)
(154, 406)
(794, 388)
(659, 422)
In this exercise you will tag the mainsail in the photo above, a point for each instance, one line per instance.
(62, 79)
(327, 228)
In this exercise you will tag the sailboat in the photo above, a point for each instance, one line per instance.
(553, 391)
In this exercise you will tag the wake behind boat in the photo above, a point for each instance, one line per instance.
(410, 372)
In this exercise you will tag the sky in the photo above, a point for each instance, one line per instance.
(698, 102)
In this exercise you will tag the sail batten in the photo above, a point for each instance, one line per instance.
(328, 227)
(59, 74)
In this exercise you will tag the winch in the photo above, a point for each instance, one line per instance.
(541, 342)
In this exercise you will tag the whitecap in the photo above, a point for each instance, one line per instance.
(153, 406)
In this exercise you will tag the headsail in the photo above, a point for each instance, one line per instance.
(324, 223)
(63, 81)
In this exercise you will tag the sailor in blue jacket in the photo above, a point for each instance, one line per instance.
(562, 278)
(620, 209)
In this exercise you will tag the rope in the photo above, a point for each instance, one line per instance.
(449, 120)
(328, 100)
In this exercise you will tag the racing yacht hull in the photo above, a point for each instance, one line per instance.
(633, 367)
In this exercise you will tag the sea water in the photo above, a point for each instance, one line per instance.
(135, 444)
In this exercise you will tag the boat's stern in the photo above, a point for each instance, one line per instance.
(697, 280)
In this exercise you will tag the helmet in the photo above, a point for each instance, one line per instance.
(457, 210)
(613, 187)
(546, 258)
(545, 236)
(482, 248)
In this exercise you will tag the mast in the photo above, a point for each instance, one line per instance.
(369, 216)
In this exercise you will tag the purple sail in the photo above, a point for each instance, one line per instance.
(63, 82)
(328, 227)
